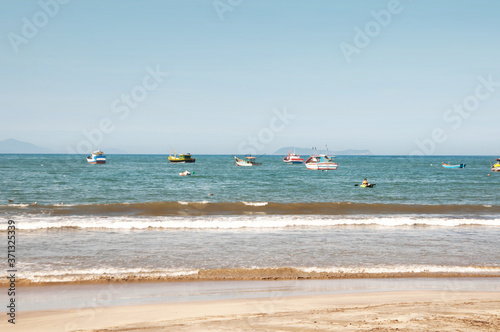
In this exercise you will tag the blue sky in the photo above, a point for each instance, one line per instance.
(233, 66)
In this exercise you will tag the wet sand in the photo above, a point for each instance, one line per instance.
(446, 310)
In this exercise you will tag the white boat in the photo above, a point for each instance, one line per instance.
(248, 161)
(293, 158)
(321, 162)
(97, 157)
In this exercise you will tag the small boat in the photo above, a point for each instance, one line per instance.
(453, 166)
(321, 162)
(97, 157)
(185, 173)
(293, 158)
(496, 166)
(182, 158)
(369, 185)
(248, 161)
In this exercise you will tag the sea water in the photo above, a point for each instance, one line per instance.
(136, 218)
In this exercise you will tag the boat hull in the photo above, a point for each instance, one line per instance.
(322, 166)
(246, 164)
(95, 162)
(176, 161)
(297, 161)
(243, 164)
(453, 166)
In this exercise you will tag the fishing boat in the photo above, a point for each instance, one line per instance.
(97, 157)
(293, 158)
(496, 166)
(453, 166)
(248, 161)
(182, 158)
(321, 162)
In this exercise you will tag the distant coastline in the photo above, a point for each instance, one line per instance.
(308, 151)
(19, 147)
(14, 146)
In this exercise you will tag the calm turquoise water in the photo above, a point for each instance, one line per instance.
(55, 179)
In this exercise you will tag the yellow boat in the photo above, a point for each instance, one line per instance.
(496, 166)
(182, 158)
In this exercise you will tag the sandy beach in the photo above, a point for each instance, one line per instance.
(375, 311)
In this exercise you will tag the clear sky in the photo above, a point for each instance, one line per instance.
(394, 77)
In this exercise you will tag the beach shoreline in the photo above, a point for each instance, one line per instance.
(257, 274)
(381, 311)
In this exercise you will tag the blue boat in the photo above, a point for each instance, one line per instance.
(97, 157)
(453, 166)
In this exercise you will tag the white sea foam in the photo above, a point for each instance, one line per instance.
(36, 222)
(16, 205)
(187, 203)
(92, 274)
(255, 203)
(79, 275)
(406, 269)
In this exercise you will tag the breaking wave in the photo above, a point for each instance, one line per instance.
(182, 208)
(101, 275)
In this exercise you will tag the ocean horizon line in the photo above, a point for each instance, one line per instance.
(258, 155)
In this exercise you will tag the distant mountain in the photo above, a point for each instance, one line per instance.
(14, 146)
(308, 151)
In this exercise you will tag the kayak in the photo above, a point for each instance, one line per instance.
(369, 185)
